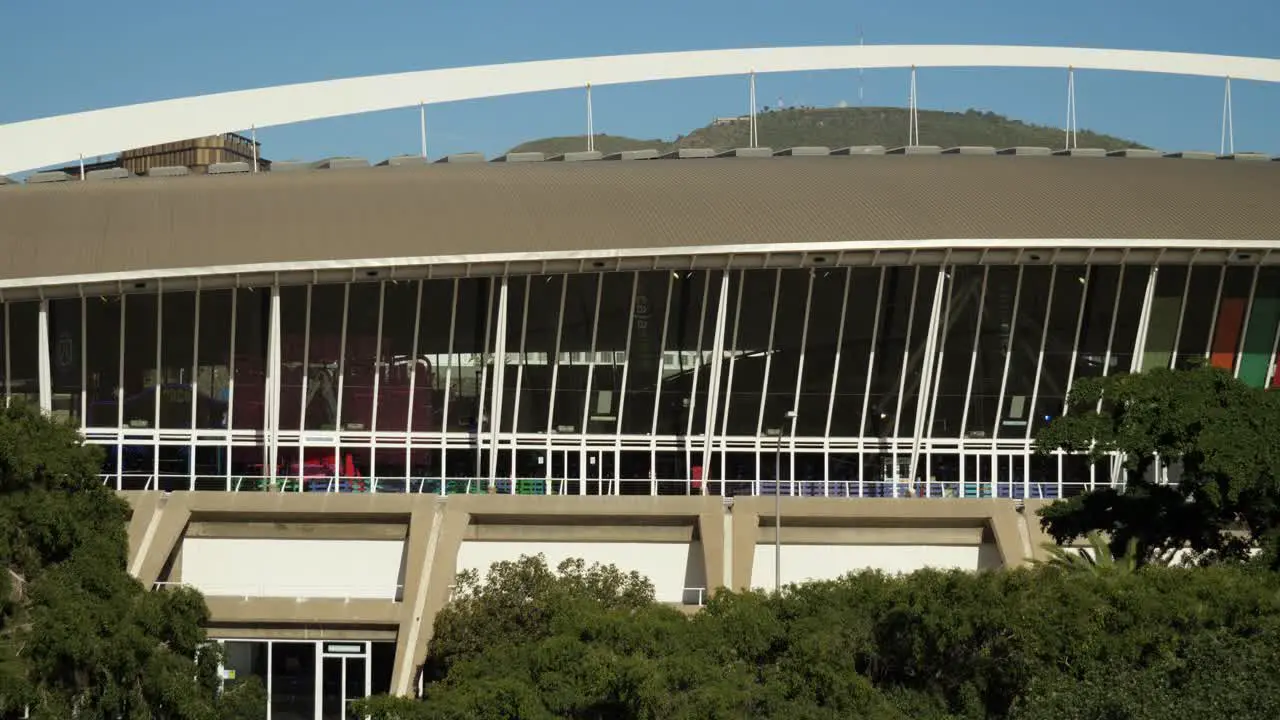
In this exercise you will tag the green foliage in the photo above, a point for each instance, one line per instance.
(839, 127)
(1033, 644)
(1215, 432)
(79, 637)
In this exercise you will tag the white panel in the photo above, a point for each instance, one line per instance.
(802, 563)
(676, 570)
(294, 568)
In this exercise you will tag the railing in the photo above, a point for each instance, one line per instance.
(299, 593)
(1007, 489)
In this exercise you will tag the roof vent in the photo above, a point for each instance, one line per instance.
(915, 150)
(47, 177)
(756, 152)
(581, 156)
(644, 154)
(1030, 151)
(1191, 155)
(1135, 153)
(859, 150)
(169, 171)
(970, 150)
(400, 160)
(467, 157)
(116, 173)
(342, 163)
(228, 168)
(1246, 156)
(292, 166)
(1082, 152)
(689, 154)
(521, 157)
(805, 151)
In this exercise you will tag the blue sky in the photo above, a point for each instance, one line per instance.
(65, 56)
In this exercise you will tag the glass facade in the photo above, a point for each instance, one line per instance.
(310, 680)
(905, 379)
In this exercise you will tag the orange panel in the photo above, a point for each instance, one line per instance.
(1226, 334)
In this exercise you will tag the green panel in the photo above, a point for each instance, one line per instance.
(1162, 330)
(1260, 336)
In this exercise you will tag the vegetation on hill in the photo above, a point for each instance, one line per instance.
(841, 127)
(79, 637)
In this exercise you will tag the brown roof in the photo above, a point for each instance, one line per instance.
(74, 228)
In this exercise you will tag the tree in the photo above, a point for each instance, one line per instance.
(79, 637)
(1212, 433)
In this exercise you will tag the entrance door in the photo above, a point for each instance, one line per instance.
(344, 678)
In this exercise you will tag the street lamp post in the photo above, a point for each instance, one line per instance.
(777, 505)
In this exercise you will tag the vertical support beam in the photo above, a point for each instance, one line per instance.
(924, 394)
(555, 379)
(485, 378)
(1071, 141)
(44, 376)
(693, 386)
(268, 401)
(448, 383)
(733, 361)
(272, 409)
(1144, 320)
(413, 391)
(253, 141)
(1044, 339)
(626, 372)
(583, 474)
(751, 102)
(515, 409)
(195, 388)
(1244, 324)
(158, 381)
(1182, 314)
(499, 379)
(422, 127)
(377, 386)
(866, 390)
(902, 377)
(1228, 145)
(591, 129)
(713, 383)
(657, 392)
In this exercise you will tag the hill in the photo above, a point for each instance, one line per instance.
(840, 127)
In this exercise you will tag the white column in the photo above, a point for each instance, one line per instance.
(44, 374)
(924, 394)
(499, 375)
(713, 383)
(271, 428)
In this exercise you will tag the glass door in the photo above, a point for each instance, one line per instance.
(344, 678)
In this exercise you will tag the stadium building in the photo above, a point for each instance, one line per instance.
(348, 383)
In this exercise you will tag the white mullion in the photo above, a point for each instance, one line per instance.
(1075, 345)
(515, 405)
(119, 395)
(968, 388)
(622, 396)
(1182, 312)
(1273, 362)
(1244, 325)
(835, 369)
(275, 366)
(657, 395)
(1144, 320)
(693, 386)
(1106, 363)
(1008, 358)
(499, 377)
(268, 400)
(586, 400)
(448, 385)
(195, 387)
(925, 387)
(866, 390)
(84, 363)
(764, 386)
(377, 385)
(713, 382)
(7, 373)
(733, 362)
(902, 374)
(941, 353)
(413, 376)
(339, 424)
(795, 400)
(306, 384)
(159, 383)
(1044, 338)
(484, 383)
(1213, 318)
(44, 373)
(555, 378)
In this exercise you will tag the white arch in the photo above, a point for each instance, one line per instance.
(47, 141)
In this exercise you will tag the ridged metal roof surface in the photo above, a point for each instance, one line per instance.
(74, 228)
